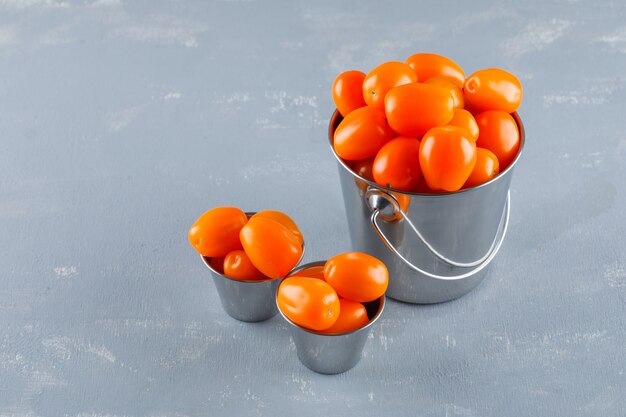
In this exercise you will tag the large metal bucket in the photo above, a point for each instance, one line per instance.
(437, 247)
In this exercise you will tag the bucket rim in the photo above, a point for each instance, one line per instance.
(336, 118)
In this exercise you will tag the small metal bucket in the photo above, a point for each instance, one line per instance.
(332, 353)
(437, 247)
(246, 300)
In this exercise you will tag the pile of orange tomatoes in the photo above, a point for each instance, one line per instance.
(422, 126)
(329, 299)
(265, 245)
(268, 245)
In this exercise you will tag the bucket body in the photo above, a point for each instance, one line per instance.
(437, 247)
(249, 301)
(332, 353)
(246, 300)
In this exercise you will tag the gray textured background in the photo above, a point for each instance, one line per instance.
(122, 121)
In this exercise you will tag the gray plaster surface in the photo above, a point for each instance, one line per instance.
(122, 121)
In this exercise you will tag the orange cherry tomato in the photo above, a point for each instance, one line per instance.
(348, 91)
(311, 272)
(308, 302)
(486, 168)
(216, 232)
(357, 276)
(464, 119)
(363, 169)
(237, 265)
(447, 157)
(397, 164)
(273, 249)
(413, 109)
(423, 188)
(469, 108)
(352, 316)
(383, 78)
(428, 65)
(217, 264)
(361, 134)
(283, 219)
(455, 90)
(493, 89)
(499, 134)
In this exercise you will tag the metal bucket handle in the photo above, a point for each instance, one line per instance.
(384, 204)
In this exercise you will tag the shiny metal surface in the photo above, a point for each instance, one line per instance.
(332, 353)
(249, 301)
(484, 262)
(465, 227)
(381, 203)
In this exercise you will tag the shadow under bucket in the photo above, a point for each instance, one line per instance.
(437, 247)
